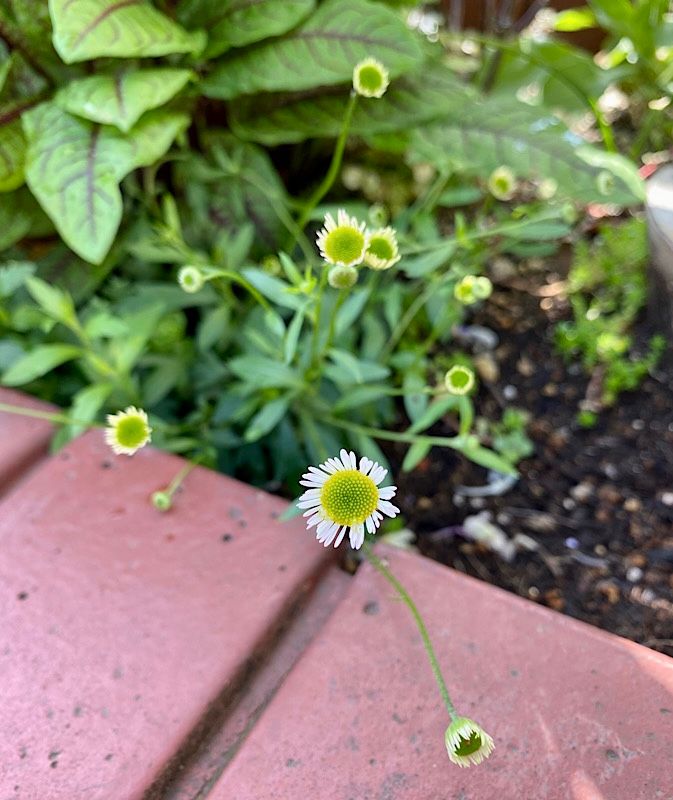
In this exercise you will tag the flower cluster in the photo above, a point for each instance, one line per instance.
(347, 243)
(472, 288)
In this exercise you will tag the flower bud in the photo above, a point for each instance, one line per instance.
(341, 277)
(162, 501)
(502, 183)
(459, 380)
(467, 743)
(191, 279)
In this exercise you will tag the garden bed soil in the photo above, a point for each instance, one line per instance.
(595, 506)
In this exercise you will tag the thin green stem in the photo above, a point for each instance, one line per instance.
(318, 311)
(376, 562)
(407, 318)
(49, 416)
(334, 166)
(332, 322)
(455, 443)
(175, 484)
(497, 230)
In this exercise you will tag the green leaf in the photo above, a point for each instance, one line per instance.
(38, 362)
(274, 289)
(234, 185)
(13, 275)
(74, 168)
(121, 99)
(410, 101)
(235, 23)
(292, 336)
(264, 373)
(54, 302)
(497, 132)
(267, 418)
(321, 52)
(86, 29)
(349, 369)
(415, 454)
(86, 405)
(141, 325)
(12, 154)
(574, 19)
(360, 396)
(436, 410)
(15, 219)
(487, 458)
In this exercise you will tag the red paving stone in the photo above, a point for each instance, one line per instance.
(577, 714)
(119, 625)
(23, 440)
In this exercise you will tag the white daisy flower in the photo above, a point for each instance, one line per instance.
(342, 497)
(370, 78)
(383, 251)
(343, 242)
(127, 431)
(467, 743)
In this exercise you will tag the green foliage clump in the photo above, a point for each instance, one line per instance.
(607, 289)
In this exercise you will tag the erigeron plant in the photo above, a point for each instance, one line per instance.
(345, 496)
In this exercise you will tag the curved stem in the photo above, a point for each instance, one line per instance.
(318, 311)
(334, 166)
(376, 562)
(49, 416)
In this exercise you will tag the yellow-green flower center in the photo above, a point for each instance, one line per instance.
(380, 247)
(468, 746)
(345, 245)
(131, 432)
(370, 78)
(459, 378)
(348, 497)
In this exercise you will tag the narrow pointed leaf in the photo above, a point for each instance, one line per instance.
(121, 99)
(86, 29)
(321, 52)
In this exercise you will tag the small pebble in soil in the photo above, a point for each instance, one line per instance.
(582, 492)
(634, 574)
(572, 543)
(510, 392)
(667, 498)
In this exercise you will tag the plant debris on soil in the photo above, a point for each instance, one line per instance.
(592, 512)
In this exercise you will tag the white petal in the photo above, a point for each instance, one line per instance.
(357, 536)
(314, 520)
(313, 502)
(309, 493)
(387, 492)
(388, 508)
(312, 484)
(331, 533)
(341, 535)
(378, 474)
(366, 464)
(371, 525)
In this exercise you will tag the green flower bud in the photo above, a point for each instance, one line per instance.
(191, 279)
(162, 501)
(342, 277)
(467, 743)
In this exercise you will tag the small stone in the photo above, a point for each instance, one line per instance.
(502, 269)
(550, 390)
(487, 367)
(634, 574)
(667, 498)
(542, 523)
(510, 392)
(525, 367)
(582, 492)
(632, 504)
(569, 504)
(601, 550)
(424, 503)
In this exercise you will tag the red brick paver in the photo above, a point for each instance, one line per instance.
(119, 625)
(577, 714)
(23, 440)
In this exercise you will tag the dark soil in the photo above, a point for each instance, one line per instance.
(594, 506)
